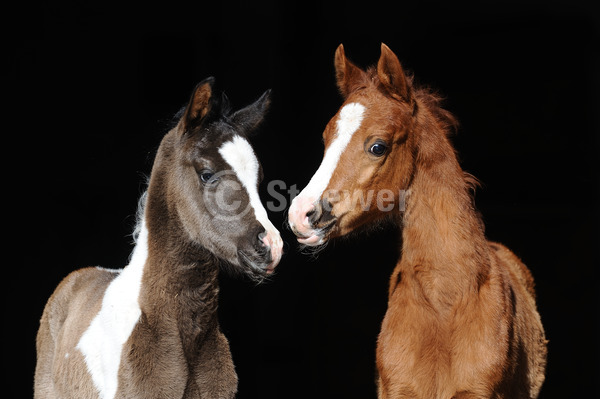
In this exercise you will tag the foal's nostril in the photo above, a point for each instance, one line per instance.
(314, 214)
(261, 237)
(321, 214)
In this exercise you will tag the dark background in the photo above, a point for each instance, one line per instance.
(91, 91)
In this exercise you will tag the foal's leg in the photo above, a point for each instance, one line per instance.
(215, 372)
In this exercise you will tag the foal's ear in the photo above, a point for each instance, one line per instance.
(392, 76)
(249, 117)
(199, 105)
(348, 76)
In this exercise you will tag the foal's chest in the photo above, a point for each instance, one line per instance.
(424, 353)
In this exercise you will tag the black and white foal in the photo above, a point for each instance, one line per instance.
(150, 330)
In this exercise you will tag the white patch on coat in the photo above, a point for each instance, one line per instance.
(102, 343)
(349, 120)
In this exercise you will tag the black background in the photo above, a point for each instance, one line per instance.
(92, 88)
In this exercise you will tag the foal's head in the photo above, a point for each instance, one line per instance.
(369, 153)
(206, 178)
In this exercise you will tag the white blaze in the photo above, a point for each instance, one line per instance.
(239, 155)
(349, 121)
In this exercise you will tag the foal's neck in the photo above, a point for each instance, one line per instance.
(444, 246)
(180, 282)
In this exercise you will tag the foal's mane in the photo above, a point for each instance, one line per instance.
(139, 216)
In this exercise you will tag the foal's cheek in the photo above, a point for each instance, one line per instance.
(226, 202)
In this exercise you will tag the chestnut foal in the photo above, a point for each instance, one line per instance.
(461, 319)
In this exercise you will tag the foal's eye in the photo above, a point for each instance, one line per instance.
(378, 149)
(206, 176)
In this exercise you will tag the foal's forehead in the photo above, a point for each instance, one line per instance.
(240, 156)
(350, 117)
(361, 114)
(346, 122)
(215, 134)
